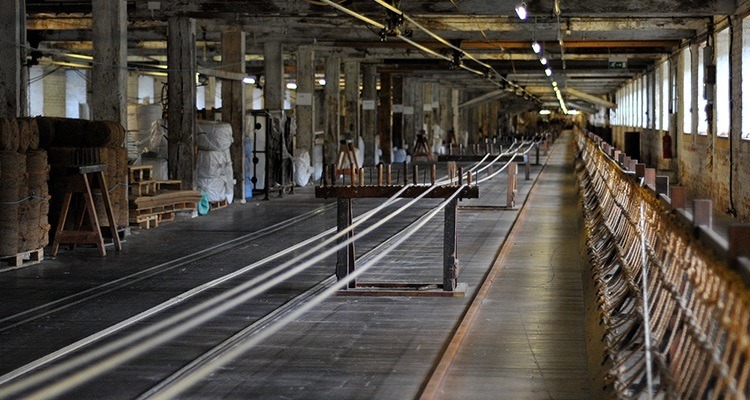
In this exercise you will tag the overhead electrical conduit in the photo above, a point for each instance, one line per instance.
(423, 48)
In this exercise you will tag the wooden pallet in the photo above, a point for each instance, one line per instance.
(168, 185)
(23, 259)
(215, 205)
(140, 173)
(143, 188)
(151, 217)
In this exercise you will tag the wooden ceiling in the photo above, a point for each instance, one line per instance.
(592, 33)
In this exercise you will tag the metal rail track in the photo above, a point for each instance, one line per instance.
(63, 303)
(258, 326)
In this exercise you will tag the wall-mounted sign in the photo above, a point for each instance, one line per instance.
(618, 62)
(368, 104)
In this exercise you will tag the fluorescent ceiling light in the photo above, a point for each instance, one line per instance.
(536, 47)
(249, 80)
(521, 10)
(545, 112)
(291, 86)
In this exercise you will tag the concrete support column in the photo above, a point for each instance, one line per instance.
(211, 93)
(494, 117)
(351, 103)
(398, 111)
(55, 89)
(417, 91)
(181, 99)
(12, 29)
(463, 120)
(454, 112)
(332, 112)
(384, 117)
(233, 104)
(273, 91)
(429, 115)
(409, 125)
(109, 78)
(446, 112)
(369, 112)
(305, 107)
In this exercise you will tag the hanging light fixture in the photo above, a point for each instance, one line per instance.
(521, 10)
(543, 60)
(548, 72)
(536, 47)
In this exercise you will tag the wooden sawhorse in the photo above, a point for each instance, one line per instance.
(79, 181)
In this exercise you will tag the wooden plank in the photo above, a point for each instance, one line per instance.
(440, 192)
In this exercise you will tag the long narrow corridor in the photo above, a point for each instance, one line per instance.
(523, 337)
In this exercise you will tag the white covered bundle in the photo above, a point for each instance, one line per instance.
(302, 168)
(213, 135)
(213, 174)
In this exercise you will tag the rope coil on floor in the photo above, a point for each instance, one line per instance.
(654, 282)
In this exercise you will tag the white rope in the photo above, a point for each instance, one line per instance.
(193, 317)
(179, 387)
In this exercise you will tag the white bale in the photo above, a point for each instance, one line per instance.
(213, 135)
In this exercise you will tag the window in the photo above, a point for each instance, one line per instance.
(641, 101)
(746, 78)
(702, 102)
(722, 104)
(687, 96)
(665, 98)
(657, 98)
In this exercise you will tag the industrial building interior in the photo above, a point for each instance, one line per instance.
(375, 199)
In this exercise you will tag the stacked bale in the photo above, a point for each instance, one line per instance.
(9, 135)
(71, 141)
(24, 195)
(36, 226)
(13, 201)
(214, 172)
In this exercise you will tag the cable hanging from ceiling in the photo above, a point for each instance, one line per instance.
(458, 54)
(538, 49)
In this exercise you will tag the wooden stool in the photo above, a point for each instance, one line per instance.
(421, 149)
(79, 182)
(347, 154)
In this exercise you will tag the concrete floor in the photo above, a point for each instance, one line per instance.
(347, 347)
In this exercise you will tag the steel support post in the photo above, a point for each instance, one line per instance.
(511, 197)
(450, 247)
(345, 256)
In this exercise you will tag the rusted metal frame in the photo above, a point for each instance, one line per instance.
(412, 191)
(450, 247)
(345, 257)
